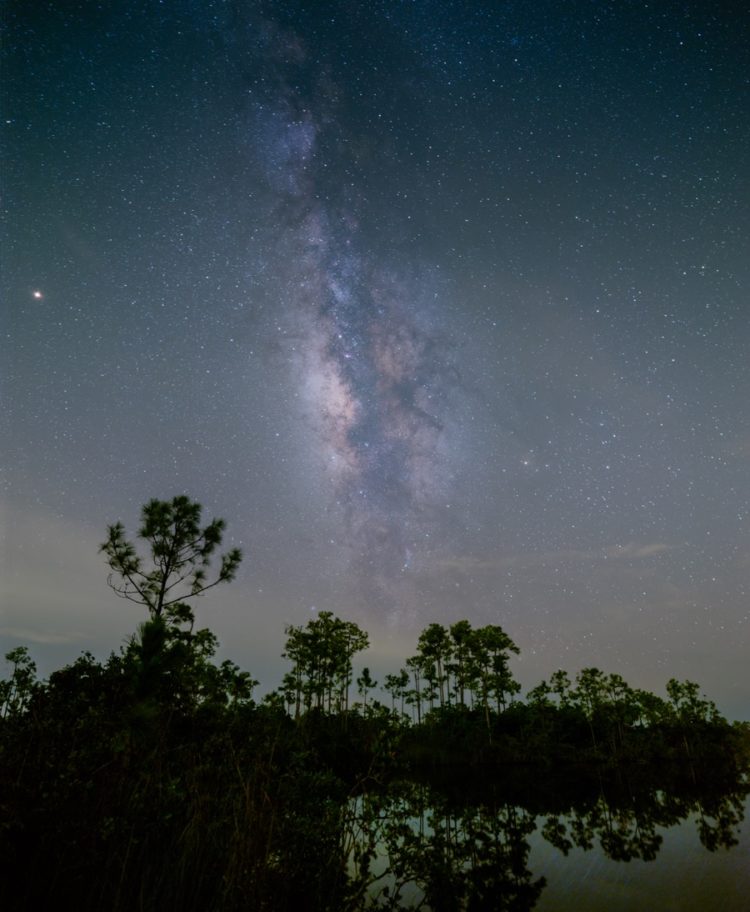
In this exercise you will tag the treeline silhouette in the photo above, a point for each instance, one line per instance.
(154, 780)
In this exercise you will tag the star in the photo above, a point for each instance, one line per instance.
(466, 285)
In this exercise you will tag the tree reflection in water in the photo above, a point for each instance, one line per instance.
(628, 831)
(414, 846)
(417, 841)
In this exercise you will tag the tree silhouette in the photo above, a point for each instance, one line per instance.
(397, 686)
(321, 653)
(365, 684)
(461, 634)
(180, 553)
(17, 691)
(435, 649)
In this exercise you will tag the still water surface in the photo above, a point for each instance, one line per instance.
(632, 848)
(684, 876)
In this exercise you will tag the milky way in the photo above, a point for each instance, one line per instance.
(376, 373)
(443, 306)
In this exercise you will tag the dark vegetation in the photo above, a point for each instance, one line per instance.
(154, 780)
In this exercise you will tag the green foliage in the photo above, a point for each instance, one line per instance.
(16, 692)
(153, 781)
(365, 683)
(397, 686)
(462, 666)
(321, 653)
(688, 706)
(180, 552)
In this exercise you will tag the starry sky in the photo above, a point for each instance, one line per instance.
(442, 305)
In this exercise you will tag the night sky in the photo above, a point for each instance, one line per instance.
(443, 306)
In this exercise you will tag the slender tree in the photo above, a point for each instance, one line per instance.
(321, 653)
(180, 553)
(461, 641)
(365, 683)
(16, 692)
(397, 685)
(415, 694)
(391, 684)
(435, 649)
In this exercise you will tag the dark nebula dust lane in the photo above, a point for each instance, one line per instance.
(443, 306)
(376, 371)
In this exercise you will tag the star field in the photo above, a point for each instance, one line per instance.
(443, 306)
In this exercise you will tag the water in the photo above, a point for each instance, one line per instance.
(684, 876)
(584, 846)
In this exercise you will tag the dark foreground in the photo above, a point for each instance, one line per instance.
(121, 790)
